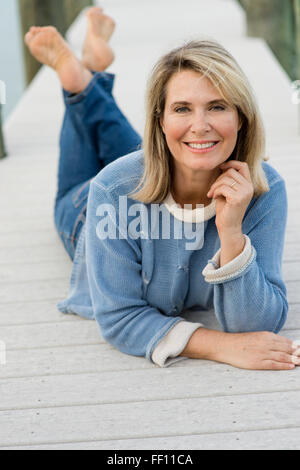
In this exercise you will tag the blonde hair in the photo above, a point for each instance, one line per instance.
(212, 60)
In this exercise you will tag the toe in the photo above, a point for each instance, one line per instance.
(94, 10)
(27, 37)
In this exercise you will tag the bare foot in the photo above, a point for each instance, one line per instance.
(97, 54)
(49, 48)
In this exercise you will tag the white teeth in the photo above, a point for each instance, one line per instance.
(202, 146)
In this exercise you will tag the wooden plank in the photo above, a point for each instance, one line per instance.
(274, 439)
(293, 318)
(26, 225)
(156, 419)
(34, 291)
(80, 359)
(291, 271)
(26, 240)
(26, 313)
(50, 335)
(72, 359)
(108, 387)
(291, 252)
(293, 291)
(29, 272)
(36, 254)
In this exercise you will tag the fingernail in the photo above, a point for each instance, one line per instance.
(295, 360)
(296, 344)
(297, 352)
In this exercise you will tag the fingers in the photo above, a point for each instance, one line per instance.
(296, 344)
(274, 365)
(230, 176)
(241, 167)
(284, 346)
(284, 358)
(227, 181)
(225, 191)
(280, 343)
(282, 353)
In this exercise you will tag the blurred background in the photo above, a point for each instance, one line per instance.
(276, 21)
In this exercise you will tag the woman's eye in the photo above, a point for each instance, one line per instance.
(218, 108)
(181, 109)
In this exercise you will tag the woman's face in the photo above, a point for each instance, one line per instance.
(200, 127)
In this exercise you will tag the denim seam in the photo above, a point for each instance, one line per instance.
(76, 260)
(76, 200)
(80, 218)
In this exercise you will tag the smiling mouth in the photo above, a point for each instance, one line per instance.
(204, 147)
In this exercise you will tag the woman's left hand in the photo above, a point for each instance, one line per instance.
(232, 200)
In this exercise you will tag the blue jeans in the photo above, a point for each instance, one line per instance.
(94, 133)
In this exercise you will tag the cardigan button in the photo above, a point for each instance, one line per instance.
(184, 268)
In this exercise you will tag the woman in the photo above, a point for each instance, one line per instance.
(203, 146)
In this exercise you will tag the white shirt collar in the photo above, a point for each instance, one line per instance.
(198, 215)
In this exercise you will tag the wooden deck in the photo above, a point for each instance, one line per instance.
(62, 386)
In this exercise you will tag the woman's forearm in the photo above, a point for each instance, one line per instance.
(254, 350)
(204, 344)
(231, 247)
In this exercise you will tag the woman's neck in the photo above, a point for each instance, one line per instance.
(193, 191)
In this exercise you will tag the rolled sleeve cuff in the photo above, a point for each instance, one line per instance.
(214, 274)
(169, 348)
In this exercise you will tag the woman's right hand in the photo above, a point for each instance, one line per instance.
(259, 350)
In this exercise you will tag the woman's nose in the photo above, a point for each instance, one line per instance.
(200, 123)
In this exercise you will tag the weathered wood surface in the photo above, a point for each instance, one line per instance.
(62, 385)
